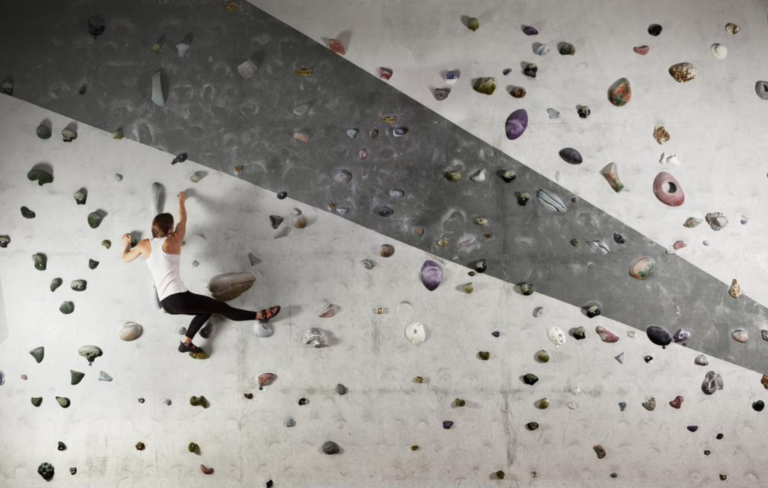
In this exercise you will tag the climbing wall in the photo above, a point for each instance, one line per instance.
(449, 376)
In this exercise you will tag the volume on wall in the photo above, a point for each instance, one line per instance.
(254, 142)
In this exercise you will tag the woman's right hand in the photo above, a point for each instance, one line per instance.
(182, 197)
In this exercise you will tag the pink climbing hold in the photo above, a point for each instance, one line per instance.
(606, 335)
(668, 190)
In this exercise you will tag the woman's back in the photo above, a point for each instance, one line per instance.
(165, 269)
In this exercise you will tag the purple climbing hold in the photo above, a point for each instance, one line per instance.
(530, 30)
(516, 124)
(431, 275)
(447, 424)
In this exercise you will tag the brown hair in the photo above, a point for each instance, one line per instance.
(162, 225)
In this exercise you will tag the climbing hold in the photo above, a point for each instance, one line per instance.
(81, 196)
(342, 176)
(315, 337)
(290, 422)
(650, 404)
(479, 176)
(330, 448)
(385, 73)
(94, 219)
(538, 312)
(384, 211)
(611, 174)
(67, 308)
(530, 379)
(37, 401)
(556, 336)
(386, 250)
(606, 335)
(496, 333)
(46, 471)
(758, 406)
(486, 86)
(681, 335)
(500, 474)
(732, 28)
(677, 402)
(599, 247)
(571, 155)
(453, 176)
(458, 402)
(55, 283)
(692, 222)
(527, 289)
(593, 311)
(447, 424)
(660, 134)
(27, 213)
(672, 159)
(761, 88)
(517, 92)
(668, 190)
(441, 94)
(44, 129)
(543, 404)
(78, 285)
(193, 448)
(507, 175)
(40, 176)
(764, 334)
(431, 275)
(63, 402)
(701, 360)
(473, 24)
(719, 51)
(93, 264)
(516, 124)
(654, 29)
(6, 87)
(38, 353)
(530, 31)
(4, 241)
(642, 50)
(550, 201)
(712, 382)
(579, 333)
(540, 49)
(542, 356)
(599, 450)
(620, 358)
(530, 70)
(247, 69)
(249, 396)
(76, 376)
(61, 446)
(104, 376)
(740, 335)
(205, 469)
(415, 333)
(583, 111)
(90, 353)
(643, 268)
(622, 406)
(683, 72)
(197, 176)
(228, 286)
(620, 93)
(735, 290)
(158, 88)
(341, 389)
(328, 310)
(303, 135)
(200, 401)
(648, 359)
(532, 426)
(566, 49)
(396, 193)
(484, 355)
(693, 428)
(716, 220)
(619, 238)
(659, 335)
(266, 379)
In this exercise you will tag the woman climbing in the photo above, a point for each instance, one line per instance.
(163, 256)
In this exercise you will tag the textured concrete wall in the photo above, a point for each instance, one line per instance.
(226, 122)
(383, 414)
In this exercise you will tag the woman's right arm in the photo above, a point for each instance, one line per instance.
(181, 228)
(131, 254)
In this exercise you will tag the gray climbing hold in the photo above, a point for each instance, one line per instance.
(76, 376)
(550, 201)
(701, 360)
(81, 196)
(67, 308)
(158, 88)
(571, 156)
(341, 389)
(315, 337)
(716, 220)
(40, 176)
(197, 176)
(761, 88)
(290, 423)
(712, 382)
(78, 285)
(90, 353)
(55, 283)
(130, 331)
(64, 402)
(38, 353)
(44, 130)
(4, 241)
(599, 247)
(253, 259)
(104, 376)
(40, 261)
(94, 219)
(342, 176)
(620, 358)
(93, 264)
(37, 401)
(228, 286)
(553, 114)
(330, 448)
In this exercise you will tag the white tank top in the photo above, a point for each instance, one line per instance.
(165, 270)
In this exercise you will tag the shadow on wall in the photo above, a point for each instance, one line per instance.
(3, 320)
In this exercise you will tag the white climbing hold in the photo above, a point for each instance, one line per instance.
(158, 89)
(261, 329)
(556, 335)
(415, 333)
(247, 69)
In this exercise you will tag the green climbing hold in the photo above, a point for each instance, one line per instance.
(90, 353)
(543, 404)
(459, 402)
(76, 376)
(484, 355)
(199, 401)
(473, 24)
(38, 353)
(41, 176)
(468, 288)
(199, 355)
(193, 448)
(486, 86)
(500, 474)
(37, 401)
(64, 402)
(40, 261)
(79, 285)
(106, 244)
(55, 283)
(532, 425)
(67, 308)
(94, 219)
(527, 289)
(453, 176)
(542, 356)
(599, 450)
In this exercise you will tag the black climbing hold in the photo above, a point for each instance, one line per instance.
(654, 29)
(720, 436)
(614, 475)
(73, 471)
(341, 389)
(96, 26)
(282, 195)
(593, 311)
(93, 264)
(83, 89)
(619, 238)
(583, 111)
(303, 401)
(530, 70)
(495, 333)
(141, 400)
(693, 428)
(270, 484)
(179, 159)
(579, 333)
(276, 220)
(507, 175)
(27, 213)
(480, 266)
(707, 452)
(330, 448)
(46, 471)
(659, 335)
(648, 359)
(571, 155)
(758, 406)
(62, 446)
(532, 426)
(574, 242)
(530, 379)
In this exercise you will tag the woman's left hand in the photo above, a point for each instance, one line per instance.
(127, 239)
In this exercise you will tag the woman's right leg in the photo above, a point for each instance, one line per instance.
(193, 304)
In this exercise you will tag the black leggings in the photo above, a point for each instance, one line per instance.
(202, 307)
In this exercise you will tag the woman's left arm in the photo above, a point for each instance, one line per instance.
(128, 253)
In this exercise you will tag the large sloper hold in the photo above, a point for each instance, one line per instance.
(229, 286)
(359, 97)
